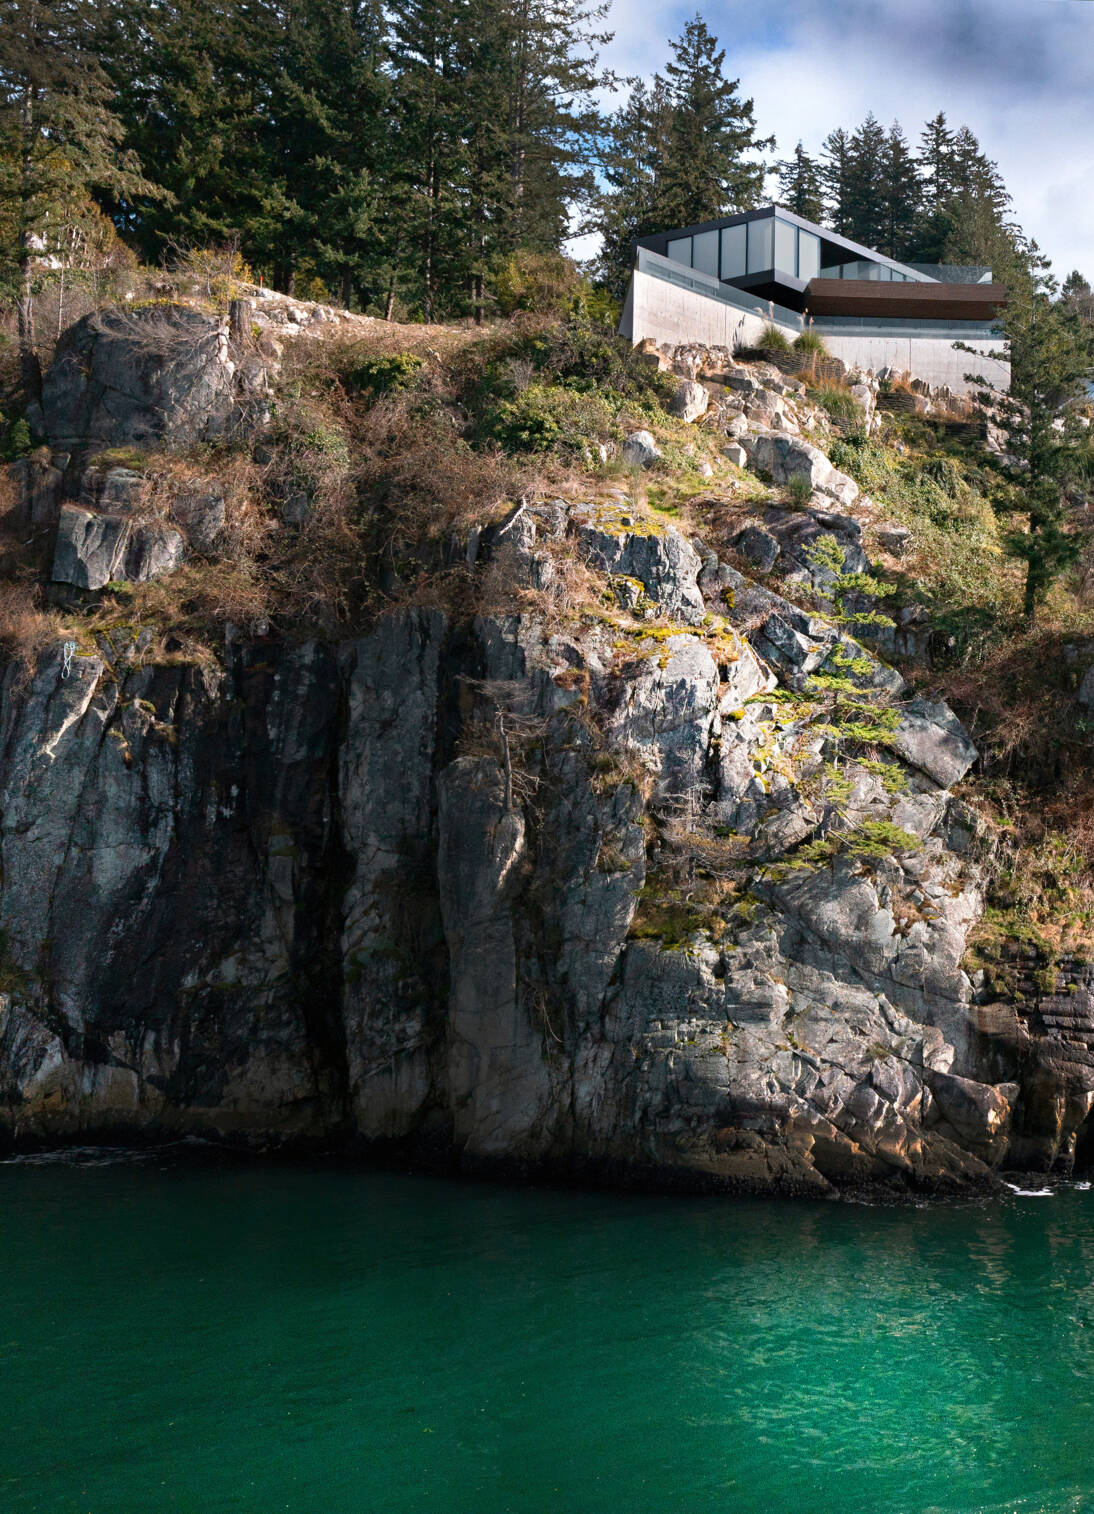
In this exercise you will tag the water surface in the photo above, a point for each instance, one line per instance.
(238, 1338)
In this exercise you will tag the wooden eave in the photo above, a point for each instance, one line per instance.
(917, 302)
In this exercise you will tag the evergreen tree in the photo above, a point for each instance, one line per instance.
(58, 134)
(975, 175)
(1051, 351)
(936, 165)
(325, 137)
(965, 205)
(678, 152)
(800, 187)
(706, 169)
(531, 78)
(866, 183)
(1078, 296)
(195, 84)
(835, 173)
(630, 164)
(431, 151)
(493, 116)
(900, 196)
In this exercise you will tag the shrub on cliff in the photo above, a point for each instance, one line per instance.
(544, 283)
(546, 416)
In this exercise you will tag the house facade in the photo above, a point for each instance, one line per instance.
(722, 282)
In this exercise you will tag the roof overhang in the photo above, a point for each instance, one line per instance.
(923, 302)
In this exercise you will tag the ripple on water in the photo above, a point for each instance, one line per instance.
(246, 1338)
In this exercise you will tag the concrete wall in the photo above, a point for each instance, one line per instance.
(932, 358)
(677, 306)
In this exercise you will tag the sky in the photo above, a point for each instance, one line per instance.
(1020, 73)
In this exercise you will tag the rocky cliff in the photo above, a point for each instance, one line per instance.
(670, 886)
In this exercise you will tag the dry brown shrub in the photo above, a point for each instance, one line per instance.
(417, 469)
(1017, 702)
(25, 628)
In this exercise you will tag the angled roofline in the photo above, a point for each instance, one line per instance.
(761, 212)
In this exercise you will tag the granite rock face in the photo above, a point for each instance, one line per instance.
(288, 901)
(412, 888)
(155, 376)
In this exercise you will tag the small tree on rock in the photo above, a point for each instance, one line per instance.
(1051, 352)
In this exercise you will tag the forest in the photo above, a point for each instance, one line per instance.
(395, 161)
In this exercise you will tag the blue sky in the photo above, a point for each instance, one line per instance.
(1020, 73)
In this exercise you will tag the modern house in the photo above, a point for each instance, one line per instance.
(722, 282)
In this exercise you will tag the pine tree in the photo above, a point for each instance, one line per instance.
(866, 183)
(1051, 352)
(195, 83)
(58, 133)
(800, 187)
(965, 208)
(706, 170)
(900, 196)
(325, 134)
(529, 92)
(431, 150)
(975, 175)
(835, 174)
(936, 164)
(630, 164)
(1078, 297)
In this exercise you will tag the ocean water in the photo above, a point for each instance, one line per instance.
(211, 1338)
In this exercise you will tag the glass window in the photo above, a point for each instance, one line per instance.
(886, 274)
(808, 255)
(680, 251)
(761, 245)
(786, 251)
(734, 255)
(704, 252)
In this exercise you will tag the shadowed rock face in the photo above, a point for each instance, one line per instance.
(274, 904)
(393, 890)
(155, 376)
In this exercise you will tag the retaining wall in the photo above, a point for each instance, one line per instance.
(677, 306)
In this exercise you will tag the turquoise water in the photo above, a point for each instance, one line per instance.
(256, 1339)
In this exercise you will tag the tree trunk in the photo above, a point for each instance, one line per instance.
(29, 366)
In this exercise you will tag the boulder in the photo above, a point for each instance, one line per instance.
(979, 1114)
(159, 376)
(1086, 689)
(931, 738)
(640, 450)
(39, 484)
(786, 457)
(153, 551)
(90, 548)
(736, 454)
(113, 490)
(893, 539)
(757, 547)
(666, 564)
(202, 517)
(690, 401)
